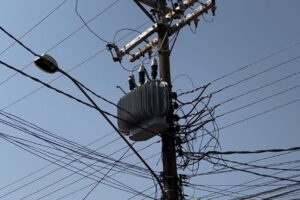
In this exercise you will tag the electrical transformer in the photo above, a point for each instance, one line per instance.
(142, 112)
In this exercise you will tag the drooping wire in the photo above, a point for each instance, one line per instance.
(86, 24)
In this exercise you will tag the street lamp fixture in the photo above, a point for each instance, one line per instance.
(46, 63)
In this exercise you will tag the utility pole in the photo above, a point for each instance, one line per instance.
(164, 28)
(170, 176)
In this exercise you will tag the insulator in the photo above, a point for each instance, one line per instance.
(142, 74)
(178, 141)
(154, 68)
(175, 106)
(175, 117)
(174, 95)
(131, 82)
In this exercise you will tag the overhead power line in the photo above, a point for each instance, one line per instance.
(245, 67)
(208, 153)
(86, 24)
(35, 26)
(18, 41)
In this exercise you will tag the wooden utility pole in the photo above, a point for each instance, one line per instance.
(169, 175)
(164, 16)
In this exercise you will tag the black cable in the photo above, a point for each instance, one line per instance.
(18, 41)
(246, 66)
(94, 183)
(66, 94)
(257, 115)
(104, 114)
(282, 194)
(255, 173)
(34, 26)
(86, 24)
(44, 84)
(268, 191)
(257, 74)
(257, 61)
(261, 167)
(258, 101)
(257, 160)
(262, 184)
(208, 153)
(262, 113)
(261, 87)
(44, 167)
(28, 151)
(63, 40)
(105, 175)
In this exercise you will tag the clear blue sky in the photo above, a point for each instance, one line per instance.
(241, 32)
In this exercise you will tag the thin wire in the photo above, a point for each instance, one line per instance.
(261, 87)
(257, 160)
(245, 67)
(258, 101)
(104, 115)
(47, 166)
(26, 150)
(261, 167)
(124, 29)
(34, 26)
(105, 175)
(262, 113)
(257, 74)
(257, 61)
(255, 173)
(63, 40)
(86, 24)
(45, 84)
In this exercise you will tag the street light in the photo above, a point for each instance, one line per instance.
(48, 64)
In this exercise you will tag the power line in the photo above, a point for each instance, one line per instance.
(105, 175)
(117, 160)
(86, 24)
(34, 154)
(262, 113)
(208, 153)
(63, 40)
(261, 87)
(263, 184)
(34, 26)
(46, 166)
(245, 67)
(18, 41)
(258, 101)
(257, 74)
(255, 173)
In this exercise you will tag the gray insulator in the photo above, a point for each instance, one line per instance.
(154, 68)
